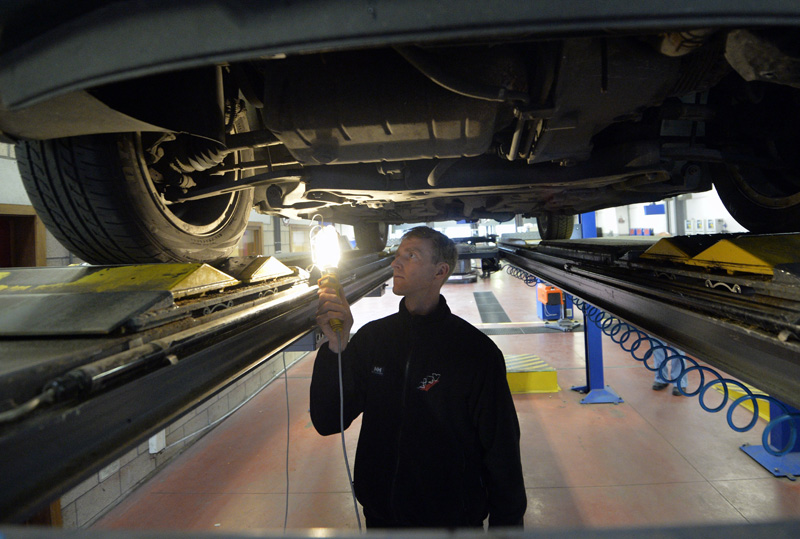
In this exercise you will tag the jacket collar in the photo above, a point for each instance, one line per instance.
(439, 313)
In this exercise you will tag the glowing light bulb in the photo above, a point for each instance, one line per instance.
(325, 248)
(325, 254)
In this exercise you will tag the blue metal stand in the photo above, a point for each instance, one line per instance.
(787, 465)
(595, 388)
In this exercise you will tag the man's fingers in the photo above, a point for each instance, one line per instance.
(327, 292)
(330, 294)
(329, 310)
(332, 306)
(329, 305)
(328, 315)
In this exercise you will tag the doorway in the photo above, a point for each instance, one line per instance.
(22, 237)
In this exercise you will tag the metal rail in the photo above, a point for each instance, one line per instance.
(728, 340)
(55, 448)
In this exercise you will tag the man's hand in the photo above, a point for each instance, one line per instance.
(331, 306)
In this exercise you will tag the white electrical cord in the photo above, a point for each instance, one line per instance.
(257, 391)
(341, 425)
(288, 424)
(286, 386)
(31, 405)
(547, 311)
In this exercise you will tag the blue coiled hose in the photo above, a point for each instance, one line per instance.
(526, 277)
(632, 340)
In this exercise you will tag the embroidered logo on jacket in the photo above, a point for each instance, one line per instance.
(429, 381)
(377, 370)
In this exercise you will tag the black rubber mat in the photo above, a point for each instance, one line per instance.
(489, 308)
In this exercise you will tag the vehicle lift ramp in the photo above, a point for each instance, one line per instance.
(732, 301)
(94, 360)
(135, 358)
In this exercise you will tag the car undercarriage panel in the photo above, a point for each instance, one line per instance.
(373, 114)
(370, 107)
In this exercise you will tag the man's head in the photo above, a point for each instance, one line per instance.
(422, 264)
(443, 248)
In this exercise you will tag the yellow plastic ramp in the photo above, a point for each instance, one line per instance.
(527, 373)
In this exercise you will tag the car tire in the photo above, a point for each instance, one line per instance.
(755, 201)
(758, 122)
(371, 237)
(553, 226)
(95, 195)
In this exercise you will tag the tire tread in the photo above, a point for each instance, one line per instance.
(73, 186)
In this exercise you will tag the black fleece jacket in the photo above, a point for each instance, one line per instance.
(439, 441)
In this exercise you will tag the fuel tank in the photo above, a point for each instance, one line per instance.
(371, 106)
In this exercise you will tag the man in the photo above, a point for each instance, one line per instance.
(677, 365)
(439, 441)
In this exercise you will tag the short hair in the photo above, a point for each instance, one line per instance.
(444, 249)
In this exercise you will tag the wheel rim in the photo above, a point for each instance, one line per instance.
(203, 217)
(772, 202)
(544, 222)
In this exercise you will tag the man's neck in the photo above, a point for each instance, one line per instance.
(422, 305)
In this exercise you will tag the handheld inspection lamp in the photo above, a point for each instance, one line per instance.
(325, 255)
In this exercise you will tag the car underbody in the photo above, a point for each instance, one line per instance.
(473, 115)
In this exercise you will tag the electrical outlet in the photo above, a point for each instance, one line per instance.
(108, 471)
(158, 442)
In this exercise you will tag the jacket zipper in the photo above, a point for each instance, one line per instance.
(392, 496)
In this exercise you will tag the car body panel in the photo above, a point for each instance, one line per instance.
(119, 40)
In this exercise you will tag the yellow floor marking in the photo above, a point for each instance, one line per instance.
(734, 393)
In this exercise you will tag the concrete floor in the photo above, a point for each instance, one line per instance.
(654, 460)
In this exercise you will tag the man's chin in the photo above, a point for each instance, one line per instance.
(397, 289)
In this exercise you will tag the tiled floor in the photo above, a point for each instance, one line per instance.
(654, 460)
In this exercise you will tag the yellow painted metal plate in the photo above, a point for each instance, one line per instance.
(179, 279)
(680, 248)
(255, 269)
(526, 363)
(750, 254)
(527, 373)
(735, 392)
(265, 268)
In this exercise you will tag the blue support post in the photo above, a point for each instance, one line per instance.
(595, 388)
(588, 225)
(787, 465)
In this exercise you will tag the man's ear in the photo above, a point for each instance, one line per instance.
(443, 269)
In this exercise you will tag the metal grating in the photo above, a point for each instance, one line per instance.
(489, 308)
